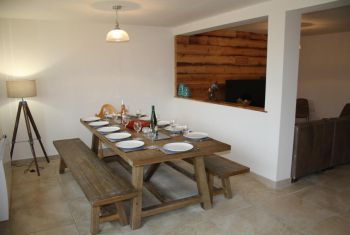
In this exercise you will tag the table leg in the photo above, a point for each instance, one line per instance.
(136, 207)
(202, 184)
(151, 170)
(95, 143)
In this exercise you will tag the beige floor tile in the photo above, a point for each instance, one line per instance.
(252, 221)
(327, 198)
(295, 212)
(331, 226)
(22, 177)
(80, 209)
(332, 179)
(35, 193)
(70, 188)
(40, 218)
(64, 230)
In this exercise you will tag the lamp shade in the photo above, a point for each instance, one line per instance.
(117, 35)
(21, 88)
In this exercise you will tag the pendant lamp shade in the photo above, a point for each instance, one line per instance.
(117, 34)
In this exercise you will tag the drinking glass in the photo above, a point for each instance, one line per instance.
(185, 130)
(125, 120)
(137, 126)
(114, 117)
(138, 113)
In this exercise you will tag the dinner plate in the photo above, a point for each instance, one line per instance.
(130, 144)
(176, 128)
(108, 129)
(178, 147)
(196, 135)
(118, 136)
(98, 123)
(90, 119)
(163, 123)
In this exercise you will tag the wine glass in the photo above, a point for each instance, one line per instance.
(138, 113)
(137, 126)
(125, 120)
(114, 117)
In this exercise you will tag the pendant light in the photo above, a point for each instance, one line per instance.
(117, 34)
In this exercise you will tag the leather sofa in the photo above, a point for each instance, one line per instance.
(319, 145)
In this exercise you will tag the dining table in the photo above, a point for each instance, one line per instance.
(150, 155)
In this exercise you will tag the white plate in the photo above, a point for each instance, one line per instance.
(196, 135)
(130, 144)
(178, 147)
(98, 123)
(108, 129)
(163, 123)
(91, 119)
(176, 128)
(118, 136)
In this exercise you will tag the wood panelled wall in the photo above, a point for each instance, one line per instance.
(219, 56)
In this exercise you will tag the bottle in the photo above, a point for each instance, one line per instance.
(122, 108)
(154, 121)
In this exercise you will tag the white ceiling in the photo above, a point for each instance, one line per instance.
(321, 22)
(135, 12)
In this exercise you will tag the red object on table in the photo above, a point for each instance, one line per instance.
(143, 123)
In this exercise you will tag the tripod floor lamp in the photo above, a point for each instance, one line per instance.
(22, 89)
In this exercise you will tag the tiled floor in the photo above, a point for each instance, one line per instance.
(319, 204)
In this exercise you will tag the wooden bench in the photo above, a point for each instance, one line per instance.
(222, 168)
(218, 166)
(100, 184)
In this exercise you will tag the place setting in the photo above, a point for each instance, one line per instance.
(95, 121)
(197, 136)
(176, 147)
(131, 145)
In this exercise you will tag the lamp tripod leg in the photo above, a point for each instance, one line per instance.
(31, 119)
(31, 142)
(14, 135)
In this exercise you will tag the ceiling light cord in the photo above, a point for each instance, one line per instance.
(116, 8)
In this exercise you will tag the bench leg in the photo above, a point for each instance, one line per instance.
(63, 166)
(202, 183)
(95, 220)
(226, 186)
(123, 219)
(211, 185)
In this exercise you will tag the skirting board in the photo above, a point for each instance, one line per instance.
(270, 183)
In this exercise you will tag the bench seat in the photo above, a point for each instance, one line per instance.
(223, 168)
(100, 184)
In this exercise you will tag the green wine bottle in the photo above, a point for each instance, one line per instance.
(154, 121)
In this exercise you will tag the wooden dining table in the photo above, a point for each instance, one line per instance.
(137, 160)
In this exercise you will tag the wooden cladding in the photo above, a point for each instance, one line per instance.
(219, 56)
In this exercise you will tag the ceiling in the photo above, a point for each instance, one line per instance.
(321, 22)
(167, 13)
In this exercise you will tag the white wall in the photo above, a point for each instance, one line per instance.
(324, 74)
(262, 141)
(77, 71)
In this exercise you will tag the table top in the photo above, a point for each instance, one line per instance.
(151, 156)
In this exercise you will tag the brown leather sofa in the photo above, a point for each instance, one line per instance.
(319, 145)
